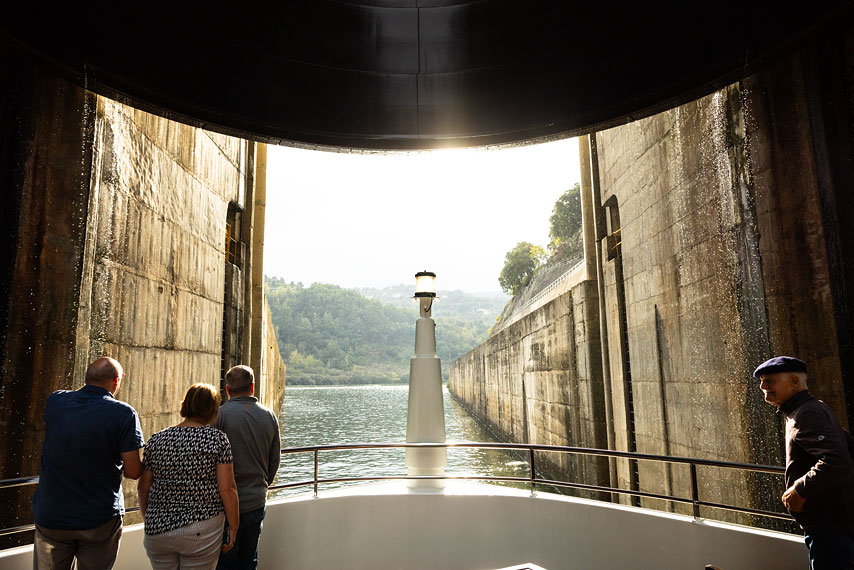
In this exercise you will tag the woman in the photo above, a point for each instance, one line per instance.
(187, 488)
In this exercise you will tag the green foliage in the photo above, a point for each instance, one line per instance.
(338, 336)
(565, 228)
(566, 215)
(567, 249)
(523, 261)
(298, 360)
(520, 265)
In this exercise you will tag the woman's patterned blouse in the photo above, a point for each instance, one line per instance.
(183, 463)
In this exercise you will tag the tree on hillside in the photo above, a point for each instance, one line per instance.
(520, 265)
(565, 228)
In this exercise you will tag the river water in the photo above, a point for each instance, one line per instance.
(318, 415)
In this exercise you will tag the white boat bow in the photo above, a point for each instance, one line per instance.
(475, 526)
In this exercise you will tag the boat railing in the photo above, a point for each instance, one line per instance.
(532, 480)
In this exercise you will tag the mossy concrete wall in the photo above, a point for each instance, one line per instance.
(155, 299)
(156, 250)
(695, 320)
(118, 246)
(725, 264)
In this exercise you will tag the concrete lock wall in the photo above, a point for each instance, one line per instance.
(539, 381)
(694, 323)
(157, 229)
(45, 155)
(157, 273)
(120, 224)
(715, 208)
(273, 369)
(712, 287)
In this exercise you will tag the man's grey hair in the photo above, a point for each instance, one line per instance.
(239, 379)
(802, 379)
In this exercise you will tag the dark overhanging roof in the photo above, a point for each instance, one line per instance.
(411, 74)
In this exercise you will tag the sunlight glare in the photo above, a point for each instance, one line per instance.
(373, 220)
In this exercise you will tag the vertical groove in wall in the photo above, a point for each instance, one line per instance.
(525, 428)
(615, 253)
(662, 386)
(256, 276)
(625, 354)
(247, 226)
(600, 231)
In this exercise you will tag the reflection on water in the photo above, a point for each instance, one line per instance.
(317, 415)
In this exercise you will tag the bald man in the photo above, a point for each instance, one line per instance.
(91, 440)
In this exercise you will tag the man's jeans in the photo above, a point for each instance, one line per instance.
(830, 550)
(244, 555)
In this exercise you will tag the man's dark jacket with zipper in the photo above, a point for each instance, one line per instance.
(819, 464)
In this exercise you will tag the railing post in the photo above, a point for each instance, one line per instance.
(695, 492)
(315, 473)
(533, 472)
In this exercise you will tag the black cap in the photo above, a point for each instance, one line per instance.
(780, 364)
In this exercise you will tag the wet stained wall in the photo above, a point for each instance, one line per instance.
(157, 258)
(119, 248)
(725, 264)
(46, 154)
(694, 298)
(728, 213)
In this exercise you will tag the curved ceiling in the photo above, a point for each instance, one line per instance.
(411, 74)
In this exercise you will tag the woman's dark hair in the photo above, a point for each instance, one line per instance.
(201, 402)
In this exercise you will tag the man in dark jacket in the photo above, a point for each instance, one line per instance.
(819, 468)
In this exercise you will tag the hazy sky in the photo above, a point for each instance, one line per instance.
(374, 220)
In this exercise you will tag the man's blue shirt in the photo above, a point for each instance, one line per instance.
(80, 480)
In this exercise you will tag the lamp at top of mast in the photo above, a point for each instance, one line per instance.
(425, 284)
(425, 291)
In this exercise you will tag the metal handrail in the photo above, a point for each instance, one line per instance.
(553, 285)
(532, 479)
(18, 482)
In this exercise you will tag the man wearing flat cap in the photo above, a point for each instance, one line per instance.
(819, 467)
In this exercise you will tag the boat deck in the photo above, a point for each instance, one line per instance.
(474, 526)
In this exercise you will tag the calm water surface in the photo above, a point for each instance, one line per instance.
(317, 415)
